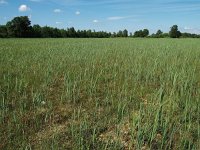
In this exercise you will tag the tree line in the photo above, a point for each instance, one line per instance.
(20, 27)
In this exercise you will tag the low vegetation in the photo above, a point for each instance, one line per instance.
(20, 27)
(100, 94)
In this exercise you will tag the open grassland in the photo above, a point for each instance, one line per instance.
(100, 94)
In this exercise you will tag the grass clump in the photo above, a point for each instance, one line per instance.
(99, 94)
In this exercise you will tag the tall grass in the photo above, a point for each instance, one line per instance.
(99, 94)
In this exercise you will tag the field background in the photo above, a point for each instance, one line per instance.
(100, 93)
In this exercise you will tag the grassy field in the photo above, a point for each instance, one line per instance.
(100, 94)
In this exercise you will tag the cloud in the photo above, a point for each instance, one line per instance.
(77, 12)
(57, 10)
(117, 17)
(95, 21)
(23, 8)
(3, 2)
(58, 22)
(188, 28)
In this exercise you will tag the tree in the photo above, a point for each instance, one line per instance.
(125, 33)
(120, 34)
(36, 31)
(159, 34)
(89, 33)
(141, 33)
(47, 32)
(174, 32)
(114, 34)
(3, 31)
(145, 32)
(56, 33)
(19, 27)
(63, 33)
(138, 33)
(71, 32)
(165, 35)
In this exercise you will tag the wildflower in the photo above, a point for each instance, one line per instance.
(43, 102)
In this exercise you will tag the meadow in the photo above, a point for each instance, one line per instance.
(116, 94)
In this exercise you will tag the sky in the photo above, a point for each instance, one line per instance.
(107, 15)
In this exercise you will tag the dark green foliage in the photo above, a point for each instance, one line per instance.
(3, 31)
(159, 34)
(145, 32)
(141, 33)
(165, 35)
(189, 35)
(36, 31)
(174, 32)
(19, 27)
(47, 32)
(122, 33)
(125, 33)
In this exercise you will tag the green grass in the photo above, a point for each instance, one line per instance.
(100, 94)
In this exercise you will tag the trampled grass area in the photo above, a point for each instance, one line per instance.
(100, 94)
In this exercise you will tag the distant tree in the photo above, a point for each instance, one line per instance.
(71, 32)
(120, 33)
(19, 27)
(165, 35)
(47, 32)
(189, 35)
(84, 33)
(63, 33)
(125, 33)
(36, 31)
(89, 33)
(56, 33)
(3, 31)
(159, 34)
(109, 34)
(114, 34)
(138, 33)
(145, 32)
(141, 33)
(174, 32)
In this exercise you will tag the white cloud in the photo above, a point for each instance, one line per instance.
(188, 28)
(77, 12)
(57, 10)
(23, 8)
(3, 2)
(116, 18)
(95, 21)
(58, 22)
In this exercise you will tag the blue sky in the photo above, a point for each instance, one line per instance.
(107, 15)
